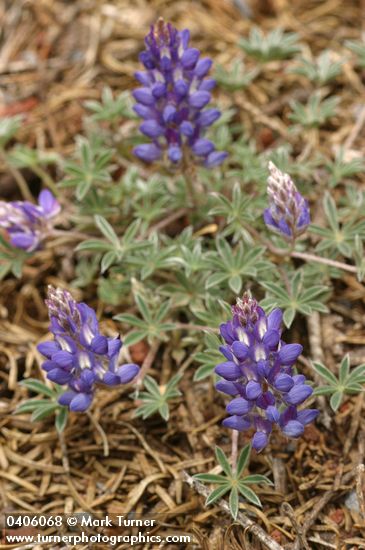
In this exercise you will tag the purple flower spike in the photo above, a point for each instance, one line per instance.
(288, 213)
(27, 224)
(172, 99)
(80, 356)
(259, 375)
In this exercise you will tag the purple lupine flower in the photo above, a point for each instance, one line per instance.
(258, 373)
(288, 213)
(79, 356)
(27, 224)
(172, 98)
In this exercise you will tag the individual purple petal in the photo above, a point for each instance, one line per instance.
(48, 348)
(63, 358)
(307, 416)
(271, 339)
(143, 78)
(207, 85)
(283, 382)
(81, 402)
(226, 352)
(25, 241)
(49, 204)
(226, 387)
(272, 414)
(259, 441)
(226, 332)
(151, 128)
(202, 67)
(99, 344)
(144, 96)
(174, 153)
(181, 87)
(239, 406)
(215, 159)
(293, 428)
(275, 319)
(228, 370)
(253, 390)
(203, 147)
(236, 423)
(189, 58)
(59, 375)
(48, 366)
(148, 152)
(127, 372)
(299, 379)
(186, 128)
(198, 100)
(111, 379)
(158, 90)
(240, 350)
(66, 397)
(298, 394)
(289, 353)
(169, 113)
(208, 117)
(143, 111)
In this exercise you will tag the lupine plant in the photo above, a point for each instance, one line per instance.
(258, 373)
(80, 357)
(175, 91)
(26, 226)
(168, 268)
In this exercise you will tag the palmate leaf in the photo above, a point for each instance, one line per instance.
(315, 112)
(156, 398)
(347, 382)
(236, 77)
(232, 265)
(342, 236)
(232, 481)
(299, 299)
(151, 326)
(272, 46)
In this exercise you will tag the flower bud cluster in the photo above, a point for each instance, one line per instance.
(172, 98)
(79, 356)
(258, 373)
